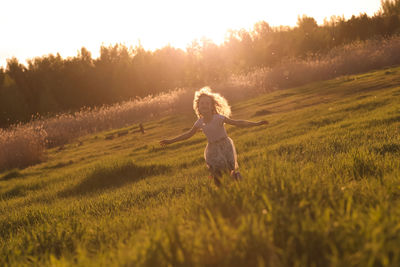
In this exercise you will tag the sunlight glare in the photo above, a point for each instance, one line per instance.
(45, 26)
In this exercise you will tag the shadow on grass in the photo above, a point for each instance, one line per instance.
(369, 106)
(390, 148)
(177, 145)
(380, 122)
(11, 174)
(59, 165)
(324, 122)
(20, 191)
(117, 174)
(261, 112)
(196, 162)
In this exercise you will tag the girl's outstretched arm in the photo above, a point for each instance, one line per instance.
(181, 137)
(243, 123)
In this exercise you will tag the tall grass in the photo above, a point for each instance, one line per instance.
(22, 145)
(63, 128)
(354, 58)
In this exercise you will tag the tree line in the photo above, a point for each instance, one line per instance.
(51, 84)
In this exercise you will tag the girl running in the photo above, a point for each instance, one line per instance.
(213, 111)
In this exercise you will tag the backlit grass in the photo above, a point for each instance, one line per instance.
(321, 187)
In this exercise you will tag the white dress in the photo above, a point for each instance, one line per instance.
(220, 152)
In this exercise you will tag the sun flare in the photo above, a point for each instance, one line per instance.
(46, 26)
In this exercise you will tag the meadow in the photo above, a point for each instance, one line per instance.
(23, 144)
(321, 188)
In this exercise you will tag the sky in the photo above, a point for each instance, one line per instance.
(36, 28)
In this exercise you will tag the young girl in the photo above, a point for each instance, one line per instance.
(213, 111)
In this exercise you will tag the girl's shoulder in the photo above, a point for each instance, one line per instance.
(198, 123)
(219, 116)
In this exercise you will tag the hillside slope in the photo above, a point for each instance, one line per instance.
(321, 186)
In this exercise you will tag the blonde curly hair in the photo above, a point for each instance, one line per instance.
(220, 104)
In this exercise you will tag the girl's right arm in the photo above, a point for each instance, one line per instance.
(181, 137)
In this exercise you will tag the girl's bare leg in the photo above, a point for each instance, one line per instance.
(216, 175)
(217, 182)
(236, 175)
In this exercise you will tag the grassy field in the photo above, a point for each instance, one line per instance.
(321, 187)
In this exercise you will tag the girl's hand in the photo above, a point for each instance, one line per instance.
(262, 122)
(165, 142)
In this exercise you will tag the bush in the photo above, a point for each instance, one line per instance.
(21, 146)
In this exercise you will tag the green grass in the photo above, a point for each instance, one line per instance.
(321, 187)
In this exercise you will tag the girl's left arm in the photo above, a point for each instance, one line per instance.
(243, 123)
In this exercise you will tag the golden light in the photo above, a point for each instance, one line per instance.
(36, 28)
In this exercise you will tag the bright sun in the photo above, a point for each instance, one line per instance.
(46, 26)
